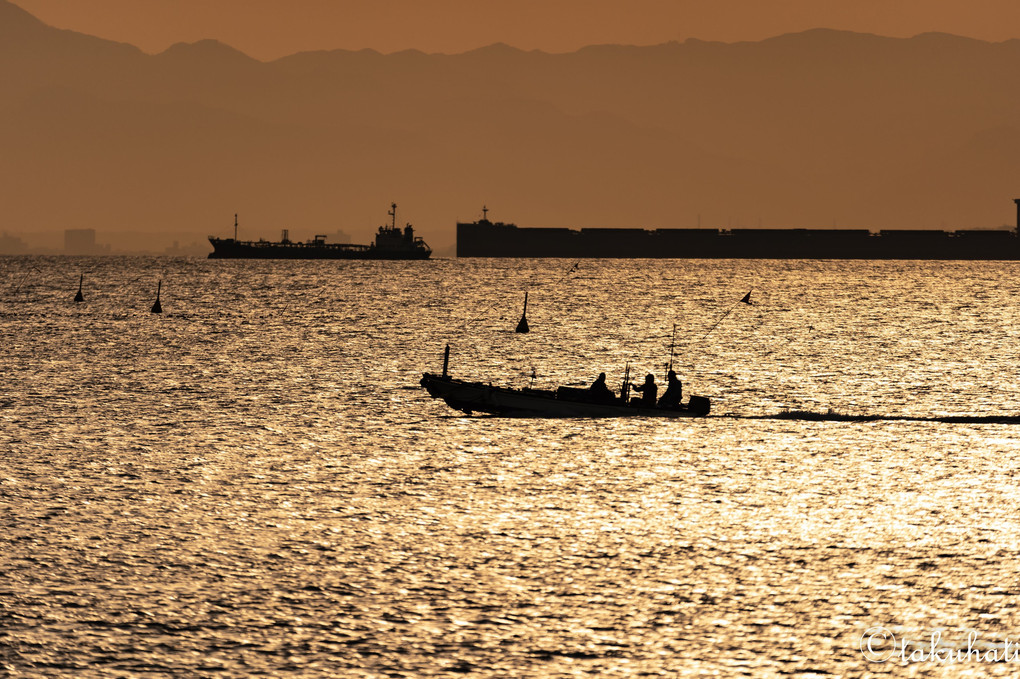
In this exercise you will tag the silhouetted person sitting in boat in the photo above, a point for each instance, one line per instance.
(674, 392)
(648, 391)
(599, 390)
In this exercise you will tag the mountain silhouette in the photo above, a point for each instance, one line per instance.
(810, 129)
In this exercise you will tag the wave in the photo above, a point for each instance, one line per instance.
(834, 416)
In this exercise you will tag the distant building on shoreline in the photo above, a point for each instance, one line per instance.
(12, 245)
(83, 242)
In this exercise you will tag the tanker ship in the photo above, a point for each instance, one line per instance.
(391, 242)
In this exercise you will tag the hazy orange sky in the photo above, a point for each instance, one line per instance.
(267, 29)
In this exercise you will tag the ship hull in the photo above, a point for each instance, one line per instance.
(488, 239)
(228, 249)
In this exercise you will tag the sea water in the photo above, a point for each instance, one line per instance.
(252, 483)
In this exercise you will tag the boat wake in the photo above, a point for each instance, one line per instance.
(833, 416)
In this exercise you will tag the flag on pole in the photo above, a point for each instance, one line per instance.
(746, 299)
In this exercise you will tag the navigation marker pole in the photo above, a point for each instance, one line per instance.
(522, 326)
(746, 299)
(25, 277)
(157, 308)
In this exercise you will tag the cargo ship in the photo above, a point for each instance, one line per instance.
(391, 242)
(485, 238)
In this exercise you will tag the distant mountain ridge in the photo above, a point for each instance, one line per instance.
(810, 129)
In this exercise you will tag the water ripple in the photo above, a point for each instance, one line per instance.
(252, 484)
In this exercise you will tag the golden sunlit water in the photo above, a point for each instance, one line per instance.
(253, 484)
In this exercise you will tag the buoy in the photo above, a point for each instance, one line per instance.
(157, 308)
(522, 326)
(80, 297)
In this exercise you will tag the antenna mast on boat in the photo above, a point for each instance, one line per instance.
(393, 213)
(235, 227)
(625, 387)
(672, 345)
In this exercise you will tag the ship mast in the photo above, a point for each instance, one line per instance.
(393, 213)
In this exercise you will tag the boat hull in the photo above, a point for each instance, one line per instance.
(471, 397)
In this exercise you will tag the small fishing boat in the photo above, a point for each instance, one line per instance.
(471, 397)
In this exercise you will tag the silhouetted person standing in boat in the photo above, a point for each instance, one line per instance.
(674, 392)
(599, 389)
(648, 391)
